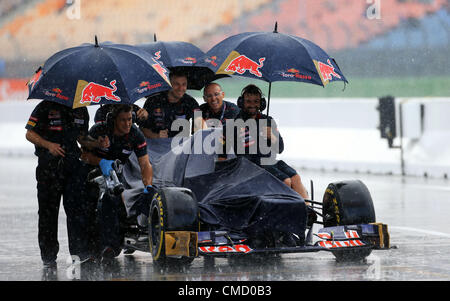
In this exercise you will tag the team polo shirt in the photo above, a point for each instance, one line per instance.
(59, 124)
(161, 112)
(228, 111)
(249, 139)
(120, 147)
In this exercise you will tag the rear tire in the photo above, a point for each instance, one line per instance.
(172, 209)
(348, 203)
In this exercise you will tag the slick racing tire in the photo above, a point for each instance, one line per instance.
(172, 209)
(348, 203)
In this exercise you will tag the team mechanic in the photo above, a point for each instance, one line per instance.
(251, 103)
(54, 129)
(215, 107)
(118, 137)
(165, 107)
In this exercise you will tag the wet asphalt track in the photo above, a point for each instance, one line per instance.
(415, 209)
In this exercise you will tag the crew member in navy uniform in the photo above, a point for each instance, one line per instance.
(103, 110)
(166, 107)
(54, 129)
(117, 138)
(215, 108)
(251, 103)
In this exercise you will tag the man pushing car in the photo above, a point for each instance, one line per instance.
(118, 137)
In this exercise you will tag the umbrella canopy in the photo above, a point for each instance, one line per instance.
(273, 56)
(181, 56)
(98, 74)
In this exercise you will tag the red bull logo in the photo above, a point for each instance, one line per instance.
(242, 63)
(94, 92)
(157, 55)
(327, 71)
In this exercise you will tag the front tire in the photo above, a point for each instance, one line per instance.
(172, 209)
(348, 203)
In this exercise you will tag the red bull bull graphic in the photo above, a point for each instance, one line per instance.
(94, 92)
(157, 55)
(242, 63)
(326, 71)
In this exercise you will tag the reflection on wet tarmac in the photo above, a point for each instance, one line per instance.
(414, 208)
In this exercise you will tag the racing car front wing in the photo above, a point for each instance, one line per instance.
(218, 243)
(373, 236)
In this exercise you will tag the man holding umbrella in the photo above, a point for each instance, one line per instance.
(55, 129)
(249, 140)
(72, 79)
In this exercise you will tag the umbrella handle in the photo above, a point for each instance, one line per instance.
(268, 99)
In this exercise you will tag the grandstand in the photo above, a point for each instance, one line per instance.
(32, 30)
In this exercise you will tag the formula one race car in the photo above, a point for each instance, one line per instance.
(211, 208)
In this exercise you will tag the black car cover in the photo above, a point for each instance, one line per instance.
(234, 195)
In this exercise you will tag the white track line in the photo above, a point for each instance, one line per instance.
(436, 233)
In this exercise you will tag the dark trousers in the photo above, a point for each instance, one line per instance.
(111, 212)
(56, 178)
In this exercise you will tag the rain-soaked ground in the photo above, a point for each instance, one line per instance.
(414, 208)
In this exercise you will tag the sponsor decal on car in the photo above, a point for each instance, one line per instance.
(341, 243)
(226, 249)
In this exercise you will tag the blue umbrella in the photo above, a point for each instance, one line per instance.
(273, 56)
(104, 73)
(181, 56)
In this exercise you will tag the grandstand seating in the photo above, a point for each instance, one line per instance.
(45, 28)
(432, 30)
(339, 24)
(333, 24)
